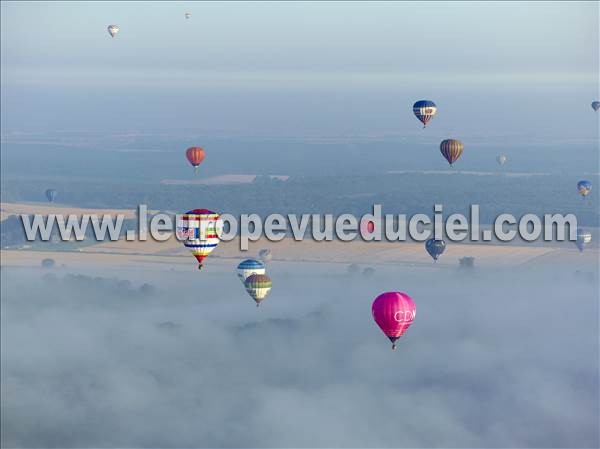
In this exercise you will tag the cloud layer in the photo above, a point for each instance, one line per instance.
(494, 359)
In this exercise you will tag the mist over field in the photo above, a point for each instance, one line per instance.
(495, 358)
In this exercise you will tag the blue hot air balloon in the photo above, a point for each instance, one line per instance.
(51, 195)
(584, 187)
(595, 105)
(424, 110)
(249, 267)
(435, 248)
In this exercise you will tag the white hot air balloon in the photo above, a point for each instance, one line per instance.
(188, 15)
(113, 30)
(501, 159)
(583, 238)
(249, 267)
(265, 255)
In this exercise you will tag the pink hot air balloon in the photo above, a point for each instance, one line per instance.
(393, 312)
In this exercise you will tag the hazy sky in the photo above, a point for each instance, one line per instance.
(58, 56)
(420, 42)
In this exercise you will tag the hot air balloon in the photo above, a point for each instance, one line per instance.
(393, 312)
(583, 238)
(501, 159)
(188, 15)
(195, 155)
(435, 248)
(51, 195)
(595, 105)
(249, 267)
(451, 149)
(258, 286)
(200, 230)
(366, 228)
(113, 30)
(584, 187)
(424, 110)
(265, 255)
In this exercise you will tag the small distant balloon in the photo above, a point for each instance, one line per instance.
(583, 238)
(258, 287)
(366, 227)
(424, 110)
(595, 105)
(195, 156)
(584, 187)
(265, 255)
(188, 15)
(249, 267)
(451, 149)
(51, 195)
(435, 248)
(113, 30)
(393, 312)
(501, 159)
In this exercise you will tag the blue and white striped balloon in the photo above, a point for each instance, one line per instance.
(249, 267)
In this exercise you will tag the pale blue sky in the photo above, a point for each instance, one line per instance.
(432, 39)
(417, 49)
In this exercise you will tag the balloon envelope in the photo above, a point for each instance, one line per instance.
(366, 227)
(249, 267)
(199, 229)
(583, 238)
(501, 159)
(451, 149)
(424, 110)
(435, 248)
(265, 255)
(51, 195)
(584, 187)
(195, 156)
(258, 286)
(113, 30)
(393, 312)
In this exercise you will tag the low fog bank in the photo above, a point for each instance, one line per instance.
(495, 358)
